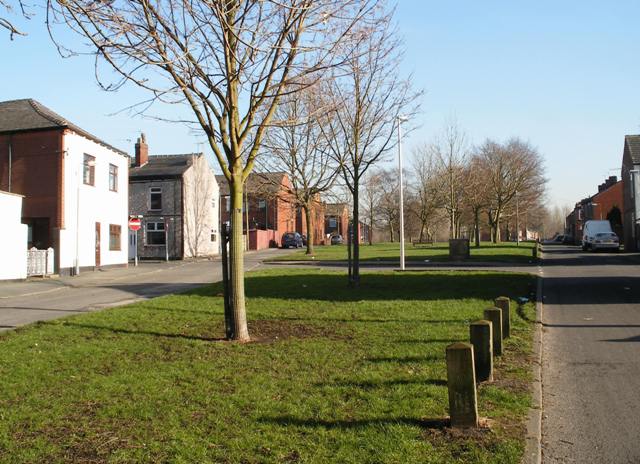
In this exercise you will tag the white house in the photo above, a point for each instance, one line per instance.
(75, 186)
(13, 246)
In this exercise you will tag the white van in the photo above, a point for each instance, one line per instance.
(598, 235)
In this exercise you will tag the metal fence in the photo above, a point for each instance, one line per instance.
(39, 262)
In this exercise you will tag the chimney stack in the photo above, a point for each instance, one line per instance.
(142, 151)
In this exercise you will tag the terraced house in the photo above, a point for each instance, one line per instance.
(75, 186)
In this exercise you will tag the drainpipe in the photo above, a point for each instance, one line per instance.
(10, 161)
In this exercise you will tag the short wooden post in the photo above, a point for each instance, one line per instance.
(504, 303)
(495, 316)
(480, 333)
(461, 382)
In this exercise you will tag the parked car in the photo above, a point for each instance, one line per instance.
(292, 240)
(336, 239)
(557, 240)
(598, 235)
(568, 240)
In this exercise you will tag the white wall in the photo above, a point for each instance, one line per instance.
(201, 198)
(13, 246)
(93, 204)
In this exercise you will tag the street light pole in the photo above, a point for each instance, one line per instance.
(401, 119)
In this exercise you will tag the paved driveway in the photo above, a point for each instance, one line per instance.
(39, 300)
(591, 357)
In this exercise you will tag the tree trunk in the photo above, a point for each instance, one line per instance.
(236, 261)
(496, 228)
(421, 236)
(391, 232)
(476, 226)
(310, 231)
(355, 276)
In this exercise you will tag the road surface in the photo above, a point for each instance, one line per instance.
(40, 300)
(591, 357)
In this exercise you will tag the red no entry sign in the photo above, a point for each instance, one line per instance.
(134, 223)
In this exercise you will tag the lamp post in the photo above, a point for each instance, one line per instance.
(401, 119)
(517, 221)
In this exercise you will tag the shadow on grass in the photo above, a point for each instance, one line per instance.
(330, 286)
(429, 341)
(373, 321)
(143, 332)
(404, 359)
(356, 423)
(372, 385)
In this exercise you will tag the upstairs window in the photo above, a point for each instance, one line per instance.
(262, 204)
(89, 170)
(113, 177)
(155, 198)
(228, 203)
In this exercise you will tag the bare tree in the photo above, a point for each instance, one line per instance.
(369, 96)
(389, 204)
(476, 193)
(229, 62)
(371, 197)
(296, 146)
(513, 168)
(8, 24)
(450, 155)
(425, 190)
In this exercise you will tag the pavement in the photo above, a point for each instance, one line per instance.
(591, 357)
(45, 299)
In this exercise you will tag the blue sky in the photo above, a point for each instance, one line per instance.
(562, 75)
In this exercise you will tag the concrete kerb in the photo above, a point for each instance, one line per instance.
(533, 443)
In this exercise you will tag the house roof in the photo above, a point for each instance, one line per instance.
(335, 209)
(261, 183)
(28, 114)
(162, 166)
(633, 142)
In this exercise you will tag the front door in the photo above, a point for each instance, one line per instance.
(97, 244)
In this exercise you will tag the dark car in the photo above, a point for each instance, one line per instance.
(292, 240)
(336, 239)
(304, 240)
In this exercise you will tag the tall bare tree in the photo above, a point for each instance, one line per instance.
(476, 194)
(389, 203)
(371, 197)
(426, 190)
(513, 168)
(369, 95)
(297, 146)
(229, 62)
(450, 154)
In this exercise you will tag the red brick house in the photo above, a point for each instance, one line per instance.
(268, 209)
(336, 219)
(608, 204)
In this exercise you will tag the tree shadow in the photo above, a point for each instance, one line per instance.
(372, 385)
(115, 330)
(405, 359)
(623, 340)
(285, 420)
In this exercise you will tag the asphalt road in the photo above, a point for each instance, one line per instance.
(591, 357)
(40, 300)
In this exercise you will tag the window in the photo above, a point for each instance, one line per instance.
(262, 204)
(214, 235)
(213, 202)
(155, 233)
(113, 178)
(228, 204)
(155, 198)
(89, 170)
(114, 237)
(332, 222)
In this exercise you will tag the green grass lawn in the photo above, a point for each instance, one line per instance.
(333, 375)
(506, 252)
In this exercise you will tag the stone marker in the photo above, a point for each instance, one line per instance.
(495, 316)
(504, 303)
(480, 333)
(461, 382)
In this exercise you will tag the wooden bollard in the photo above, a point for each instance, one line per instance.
(495, 316)
(461, 382)
(504, 303)
(480, 334)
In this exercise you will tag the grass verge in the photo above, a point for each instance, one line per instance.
(334, 375)
(506, 252)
